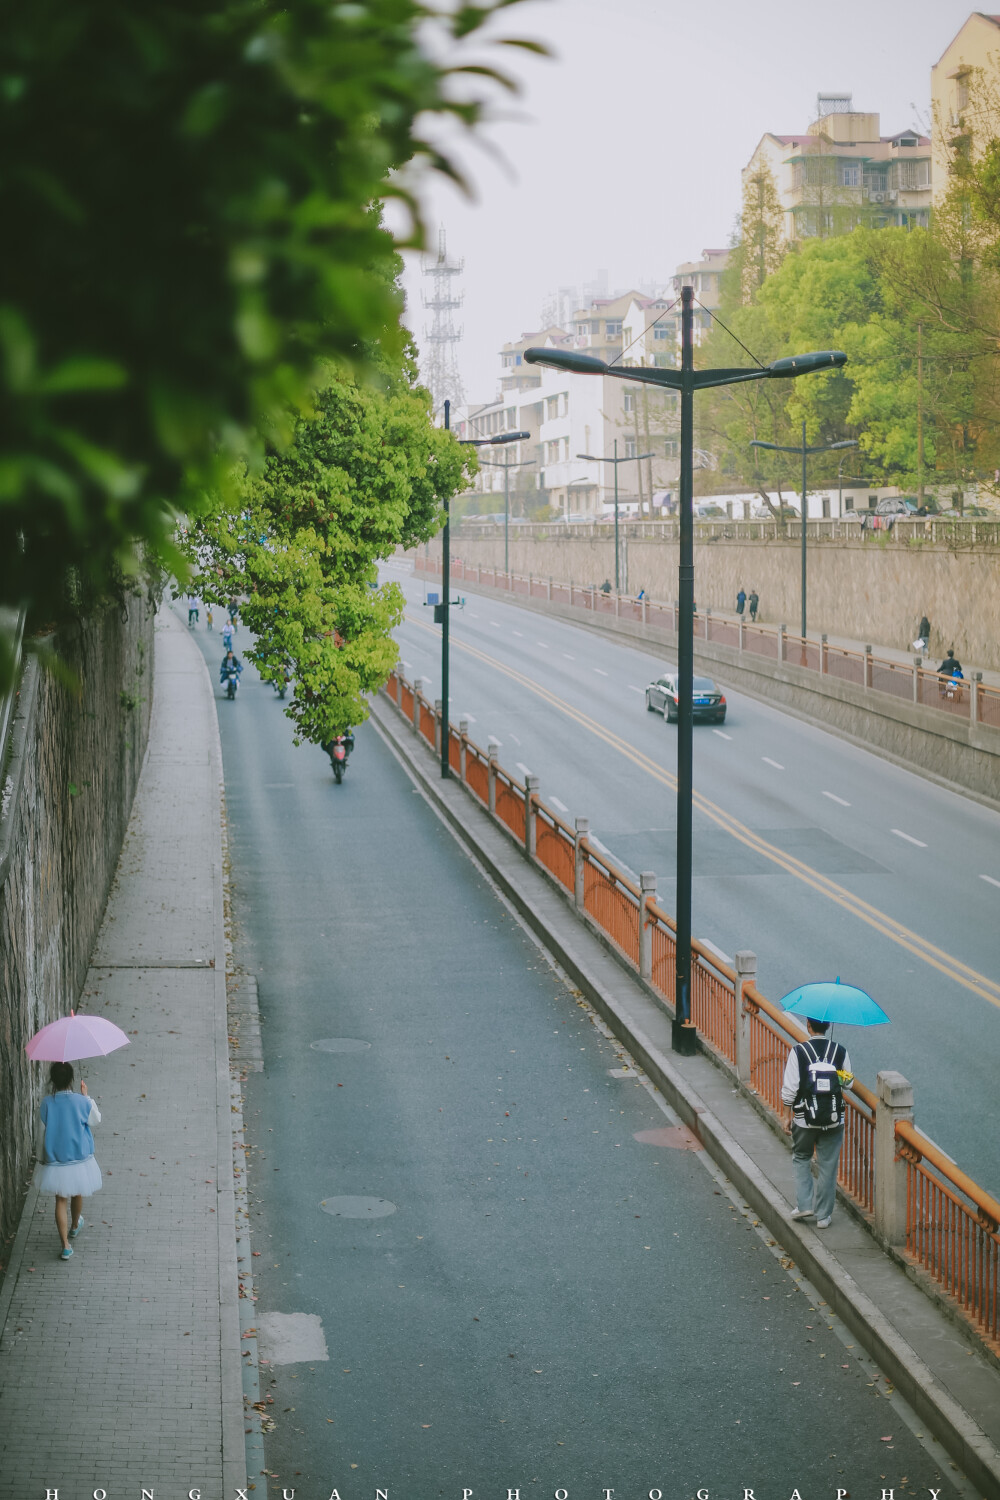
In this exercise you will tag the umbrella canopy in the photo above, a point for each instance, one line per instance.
(829, 1000)
(75, 1036)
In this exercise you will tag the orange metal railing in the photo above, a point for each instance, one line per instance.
(953, 1226)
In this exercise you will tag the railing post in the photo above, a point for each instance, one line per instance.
(647, 884)
(895, 1102)
(708, 622)
(644, 609)
(479, 572)
(868, 666)
(463, 729)
(548, 589)
(418, 687)
(618, 600)
(530, 804)
(492, 748)
(582, 826)
(746, 973)
(781, 642)
(741, 629)
(438, 726)
(529, 585)
(917, 664)
(824, 653)
(593, 597)
(977, 678)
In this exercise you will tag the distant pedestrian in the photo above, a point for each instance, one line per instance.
(70, 1170)
(606, 586)
(741, 600)
(192, 609)
(641, 594)
(754, 603)
(208, 616)
(923, 634)
(816, 1074)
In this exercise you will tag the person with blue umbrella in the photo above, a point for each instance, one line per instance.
(816, 1074)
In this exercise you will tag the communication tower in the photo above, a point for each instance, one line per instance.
(439, 365)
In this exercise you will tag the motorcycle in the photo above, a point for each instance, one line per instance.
(232, 682)
(338, 749)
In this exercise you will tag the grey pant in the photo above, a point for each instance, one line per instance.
(821, 1195)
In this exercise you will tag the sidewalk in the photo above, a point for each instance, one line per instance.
(120, 1368)
(934, 1363)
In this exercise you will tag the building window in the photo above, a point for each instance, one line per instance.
(850, 176)
(630, 401)
(671, 445)
(613, 330)
(661, 333)
(630, 448)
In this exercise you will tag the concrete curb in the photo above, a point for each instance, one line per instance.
(944, 1416)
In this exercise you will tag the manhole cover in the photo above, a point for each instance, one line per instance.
(339, 1044)
(357, 1208)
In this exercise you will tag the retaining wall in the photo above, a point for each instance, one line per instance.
(70, 775)
(872, 589)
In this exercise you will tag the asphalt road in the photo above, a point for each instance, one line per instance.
(542, 1300)
(822, 858)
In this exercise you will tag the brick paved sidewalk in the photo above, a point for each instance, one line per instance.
(120, 1368)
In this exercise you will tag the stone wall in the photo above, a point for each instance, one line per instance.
(874, 589)
(67, 787)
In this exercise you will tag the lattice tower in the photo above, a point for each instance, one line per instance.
(439, 360)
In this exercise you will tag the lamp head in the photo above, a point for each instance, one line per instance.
(565, 359)
(806, 364)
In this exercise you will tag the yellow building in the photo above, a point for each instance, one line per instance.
(964, 80)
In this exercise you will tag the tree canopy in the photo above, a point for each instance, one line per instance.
(191, 199)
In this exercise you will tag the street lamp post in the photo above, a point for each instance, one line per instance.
(506, 437)
(521, 463)
(805, 451)
(686, 380)
(630, 458)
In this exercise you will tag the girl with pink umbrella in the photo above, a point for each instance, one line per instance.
(70, 1170)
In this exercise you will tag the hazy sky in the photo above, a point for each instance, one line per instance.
(624, 151)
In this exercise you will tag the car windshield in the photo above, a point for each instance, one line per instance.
(704, 685)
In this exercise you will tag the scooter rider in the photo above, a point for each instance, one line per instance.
(230, 663)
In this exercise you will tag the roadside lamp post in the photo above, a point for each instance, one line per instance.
(852, 479)
(687, 380)
(630, 458)
(805, 451)
(506, 437)
(524, 463)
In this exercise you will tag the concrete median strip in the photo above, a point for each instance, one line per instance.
(951, 1381)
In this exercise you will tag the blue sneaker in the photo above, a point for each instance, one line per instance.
(65, 1254)
(74, 1232)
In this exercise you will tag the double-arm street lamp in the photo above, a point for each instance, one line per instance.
(805, 451)
(686, 380)
(630, 458)
(446, 600)
(507, 465)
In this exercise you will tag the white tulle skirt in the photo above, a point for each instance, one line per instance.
(69, 1179)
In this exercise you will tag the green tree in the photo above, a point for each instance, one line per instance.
(190, 192)
(363, 473)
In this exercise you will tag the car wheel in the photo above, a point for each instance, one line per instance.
(669, 718)
(649, 706)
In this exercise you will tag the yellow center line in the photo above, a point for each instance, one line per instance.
(881, 922)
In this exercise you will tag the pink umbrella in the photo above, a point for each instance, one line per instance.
(74, 1036)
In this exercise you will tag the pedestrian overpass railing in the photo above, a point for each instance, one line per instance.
(918, 1204)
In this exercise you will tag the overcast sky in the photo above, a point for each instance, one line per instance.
(624, 151)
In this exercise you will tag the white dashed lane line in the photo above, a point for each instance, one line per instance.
(524, 770)
(633, 689)
(775, 763)
(568, 657)
(515, 739)
(543, 644)
(908, 837)
(518, 634)
(721, 734)
(496, 624)
(561, 807)
(599, 672)
(834, 798)
(990, 881)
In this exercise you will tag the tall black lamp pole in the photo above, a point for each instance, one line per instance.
(446, 600)
(520, 463)
(630, 458)
(687, 380)
(801, 448)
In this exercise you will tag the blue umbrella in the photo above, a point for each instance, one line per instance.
(828, 1000)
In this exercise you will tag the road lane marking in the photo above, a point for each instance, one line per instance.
(908, 837)
(568, 657)
(496, 624)
(726, 959)
(544, 645)
(561, 807)
(518, 634)
(989, 880)
(515, 739)
(721, 735)
(633, 689)
(524, 770)
(775, 763)
(834, 798)
(881, 922)
(599, 672)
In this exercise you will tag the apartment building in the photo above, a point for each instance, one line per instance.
(841, 172)
(965, 93)
(704, 277)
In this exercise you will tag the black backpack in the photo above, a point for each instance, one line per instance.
(820, 1096)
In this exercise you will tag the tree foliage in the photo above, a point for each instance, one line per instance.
(364, 473)
(190, 192)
